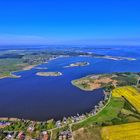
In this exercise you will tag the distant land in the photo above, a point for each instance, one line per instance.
(17, 60)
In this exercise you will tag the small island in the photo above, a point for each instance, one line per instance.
(41, 68)
(78, 64)
(47, 74)
(118, 58)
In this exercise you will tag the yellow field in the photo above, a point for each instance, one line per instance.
(130, 131)
(129, 93)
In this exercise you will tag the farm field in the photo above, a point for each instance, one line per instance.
(128, 131)
(119, 113)
(88, 133)
(131, 94)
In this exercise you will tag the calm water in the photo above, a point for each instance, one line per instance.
(42, 98)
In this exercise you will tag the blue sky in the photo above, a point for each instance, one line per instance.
(69, 21)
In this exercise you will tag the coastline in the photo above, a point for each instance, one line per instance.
(12, 75)
(19, 119)
(29, 67)
(72, 82)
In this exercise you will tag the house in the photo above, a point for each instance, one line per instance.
(58, 124)
(65, 135)
(4, 124)
(44, 135)
(21, 136)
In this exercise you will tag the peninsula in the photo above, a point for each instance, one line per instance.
(106, 81)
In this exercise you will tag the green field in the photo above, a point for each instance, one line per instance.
(10, 65)
(110, 112)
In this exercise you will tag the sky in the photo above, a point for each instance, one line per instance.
(95, 22)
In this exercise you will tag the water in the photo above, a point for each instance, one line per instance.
(42, 98)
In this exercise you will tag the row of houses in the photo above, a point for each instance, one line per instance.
(78, 117)
(65, 135)
(11, 135)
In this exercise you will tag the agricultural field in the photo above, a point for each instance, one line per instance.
(128, 131)
(88, 133)
(118, 112)
(131, 94)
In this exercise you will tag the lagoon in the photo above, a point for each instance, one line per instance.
(42, 98)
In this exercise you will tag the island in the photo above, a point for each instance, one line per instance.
(117, 58)
(41, 68)
(78, 64)
(46, 74)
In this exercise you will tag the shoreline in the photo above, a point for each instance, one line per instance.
(19, 119)
(11, 75)
(115, 58)
(83, 89)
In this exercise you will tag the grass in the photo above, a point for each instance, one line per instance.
(83, 86)
(10, 65)
(110, 112)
